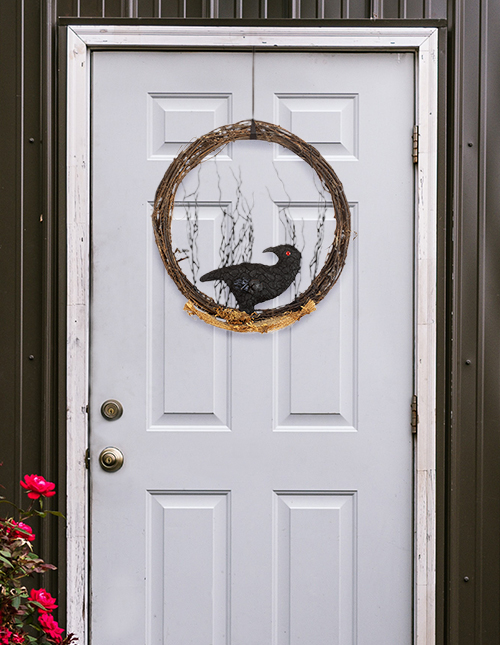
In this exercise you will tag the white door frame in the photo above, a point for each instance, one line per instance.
(81, 40)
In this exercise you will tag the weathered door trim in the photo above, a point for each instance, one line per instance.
(81, 40)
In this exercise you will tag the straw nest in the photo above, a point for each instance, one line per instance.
(200, 304)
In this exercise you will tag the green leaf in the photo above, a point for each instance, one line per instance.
(6, 501)
(37, 604)
(5, 553)
(16, 602)
(5, 561)
(57, 513)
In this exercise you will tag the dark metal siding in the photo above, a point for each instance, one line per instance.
(473, 546)
(489, 524)
(32, 254)
(28, 405)
(329, 9)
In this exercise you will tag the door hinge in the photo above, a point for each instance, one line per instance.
(415, 144)
(87, 459)
(414, 413)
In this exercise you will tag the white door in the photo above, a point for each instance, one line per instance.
(266, 493)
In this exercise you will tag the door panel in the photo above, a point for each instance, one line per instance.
(266, 495)
(189, 535)
(314, 549)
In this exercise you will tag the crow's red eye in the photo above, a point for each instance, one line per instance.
(288, 252)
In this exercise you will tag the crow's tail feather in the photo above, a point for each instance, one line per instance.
(211, 275)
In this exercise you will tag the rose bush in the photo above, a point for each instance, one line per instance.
(26, 616)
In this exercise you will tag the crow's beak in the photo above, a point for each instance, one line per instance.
(269, 249)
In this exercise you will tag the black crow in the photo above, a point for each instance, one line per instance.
(252, 283)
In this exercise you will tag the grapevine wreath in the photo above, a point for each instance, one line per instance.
(200, 304)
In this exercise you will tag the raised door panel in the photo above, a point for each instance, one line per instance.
(188, 572)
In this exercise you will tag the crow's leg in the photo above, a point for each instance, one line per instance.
(245, 305)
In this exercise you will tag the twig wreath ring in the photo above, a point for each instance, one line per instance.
(200, 304)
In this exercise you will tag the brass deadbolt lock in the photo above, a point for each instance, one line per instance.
(111, 409)
(111, 459)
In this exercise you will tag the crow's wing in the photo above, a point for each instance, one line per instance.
(248, 285)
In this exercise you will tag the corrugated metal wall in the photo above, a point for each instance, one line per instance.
(305, 9)
(32, 260)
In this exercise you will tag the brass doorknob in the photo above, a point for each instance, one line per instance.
(111, 459)
(111, 409)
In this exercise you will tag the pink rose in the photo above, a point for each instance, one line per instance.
(18, 638)
(36, 486)
(22, 530)
(44, 598)
(50, 627)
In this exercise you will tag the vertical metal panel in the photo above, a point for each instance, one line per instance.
(53, 405)
(10, 162)
(91, 8)
(172, 9)
(68, 8)
(436, 9)
(415, 9)
(330, 9)
(228, 9)
(394, 9)
(195, 9)
(489, 528)
(148, 8)
(359, 9)
(253, 8)
(113, 8)
(463, 474)
(32, 235)
(309, 9)
(279, 9)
